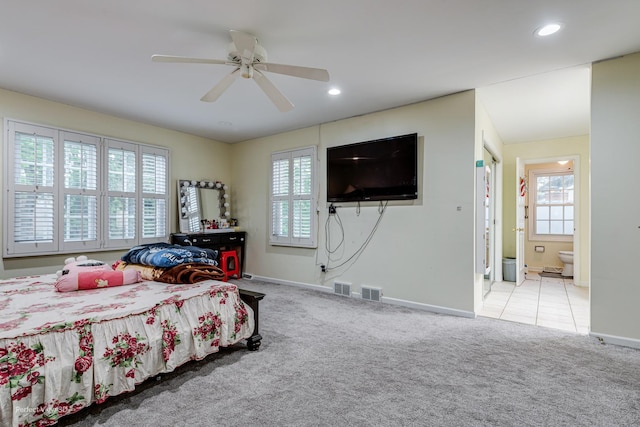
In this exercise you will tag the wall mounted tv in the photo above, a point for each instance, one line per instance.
(381, 169)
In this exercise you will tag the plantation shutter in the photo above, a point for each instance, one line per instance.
(155, 194)
(69, 192)
(293, 203)
(302, 180)
(121, 194)
(31, 200)
(80, 192)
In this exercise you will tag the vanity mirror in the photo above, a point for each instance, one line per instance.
(202, 210)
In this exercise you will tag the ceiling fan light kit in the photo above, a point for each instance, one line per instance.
(249, 59)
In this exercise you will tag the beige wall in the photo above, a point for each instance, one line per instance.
(615, 207)
(422, 250)
(212, 160)
(538, 151)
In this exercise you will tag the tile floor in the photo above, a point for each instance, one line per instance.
(543, 301)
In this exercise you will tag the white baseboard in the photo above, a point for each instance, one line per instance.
(292, 283)
(615, 340)
(429, 307)
(387, 300)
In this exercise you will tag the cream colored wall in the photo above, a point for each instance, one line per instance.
(615, 207)
(554, 148)
(211, 159)
(536, 261)
(422, 251)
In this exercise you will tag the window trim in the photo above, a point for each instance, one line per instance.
(533, 236)
(14, 249)
(277, 240)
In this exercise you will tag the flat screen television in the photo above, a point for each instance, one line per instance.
(381, 169)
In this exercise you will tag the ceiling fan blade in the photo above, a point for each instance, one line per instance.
(171, 58)
(272, 92)
(245, 44)
(223, 85)
(295, 71)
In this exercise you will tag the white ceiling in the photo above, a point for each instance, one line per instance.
(380, 53)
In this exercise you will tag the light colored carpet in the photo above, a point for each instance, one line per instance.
(327, 360)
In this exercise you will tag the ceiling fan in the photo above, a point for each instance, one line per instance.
(249, 59)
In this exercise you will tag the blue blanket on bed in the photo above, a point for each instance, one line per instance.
(166, 255)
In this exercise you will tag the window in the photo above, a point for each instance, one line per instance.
(293, 202)
(72, 192)
(552, 203)
(80, 192)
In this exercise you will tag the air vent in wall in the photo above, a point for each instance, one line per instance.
(342, 288)
(371, 294)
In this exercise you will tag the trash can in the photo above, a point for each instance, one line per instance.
(509, 269)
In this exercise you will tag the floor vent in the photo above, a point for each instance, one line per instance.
(371, 294)
(342, 288)
(247, 276)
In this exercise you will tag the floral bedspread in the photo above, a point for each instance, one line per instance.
(62, 351)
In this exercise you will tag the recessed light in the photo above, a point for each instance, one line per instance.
(334, 91)
(547, 30)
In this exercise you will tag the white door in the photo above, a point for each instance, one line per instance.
(521, 190)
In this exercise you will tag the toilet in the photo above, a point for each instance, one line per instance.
(567, 258)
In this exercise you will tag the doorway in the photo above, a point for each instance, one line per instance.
(559, 220)
(555, 302)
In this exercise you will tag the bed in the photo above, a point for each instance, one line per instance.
(63, 351)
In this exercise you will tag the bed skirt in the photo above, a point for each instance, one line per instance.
(61, 352)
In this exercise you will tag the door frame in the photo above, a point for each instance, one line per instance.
(521, 191)
(520, 259)
(496, 263)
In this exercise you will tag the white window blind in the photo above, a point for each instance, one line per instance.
(80, 192)
(154, 190)
(30, 175)
(293, 201)
(71, 192)
(121, 193)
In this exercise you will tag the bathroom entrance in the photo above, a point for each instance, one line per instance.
(548, 222)
(557, 208)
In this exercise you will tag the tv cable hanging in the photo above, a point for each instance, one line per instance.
(382, 207)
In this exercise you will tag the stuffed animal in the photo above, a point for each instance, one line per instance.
(82, 273)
